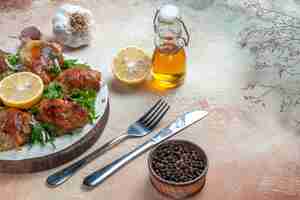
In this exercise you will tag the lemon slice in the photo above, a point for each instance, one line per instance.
(131, 65)
(21, 90)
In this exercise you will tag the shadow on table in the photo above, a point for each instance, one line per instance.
(147, 87)
(150, 193)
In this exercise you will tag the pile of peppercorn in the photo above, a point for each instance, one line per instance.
(178, 162)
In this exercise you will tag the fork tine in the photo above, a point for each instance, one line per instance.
(156, 111)
(153, 125)
(157, 117)
(153, 108)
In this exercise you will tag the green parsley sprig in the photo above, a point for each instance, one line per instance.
(70, 63)
(53, 91)
(34, 110)
(13, 61)
(55, 68)
(42, 133)
(87, 99)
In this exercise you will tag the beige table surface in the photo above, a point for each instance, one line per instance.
(254, 152)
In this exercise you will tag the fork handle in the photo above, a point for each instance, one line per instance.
(63, 175)
(99, 176)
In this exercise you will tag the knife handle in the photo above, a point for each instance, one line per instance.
(100, 175)
(63, 175)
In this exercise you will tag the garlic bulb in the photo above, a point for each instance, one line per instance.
(73, 25)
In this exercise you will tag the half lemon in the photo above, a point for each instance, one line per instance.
(21, 90)
(131, 65)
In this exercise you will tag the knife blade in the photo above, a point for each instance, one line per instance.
(179, 124)
(175, 127)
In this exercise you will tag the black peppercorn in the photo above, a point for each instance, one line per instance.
(177, 162)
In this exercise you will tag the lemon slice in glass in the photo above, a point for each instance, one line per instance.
(21, 90)
(131, 65)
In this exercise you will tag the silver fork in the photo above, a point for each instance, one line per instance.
(140, 128)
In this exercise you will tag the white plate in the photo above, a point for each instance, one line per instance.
(63, 142)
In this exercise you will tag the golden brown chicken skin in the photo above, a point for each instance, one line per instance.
(63, 114)
(40, 57)
(3, 65)
(4, 69)
(15, 128)
(79, 78)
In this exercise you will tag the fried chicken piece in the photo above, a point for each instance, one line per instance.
(79, 78)
(15, 128)
(3, 65)
(41, 57)
(4, 68)
(63, 114)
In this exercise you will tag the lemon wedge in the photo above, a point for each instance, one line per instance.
(131, 65)
(21, 90)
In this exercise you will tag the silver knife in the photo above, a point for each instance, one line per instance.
(175, 127)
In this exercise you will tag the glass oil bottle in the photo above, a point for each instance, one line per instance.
(169, 57)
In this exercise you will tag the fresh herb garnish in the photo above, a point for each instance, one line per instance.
(49, 127)
(55, 69)
(53, 91)
(42, 133)
(13, 61)
(69, 63)
(87, 99)
(34, 110)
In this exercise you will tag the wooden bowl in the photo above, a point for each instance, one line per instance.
(178, 190)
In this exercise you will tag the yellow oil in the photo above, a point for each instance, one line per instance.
(169, 66)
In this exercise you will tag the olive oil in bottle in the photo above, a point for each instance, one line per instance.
(169, 57)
